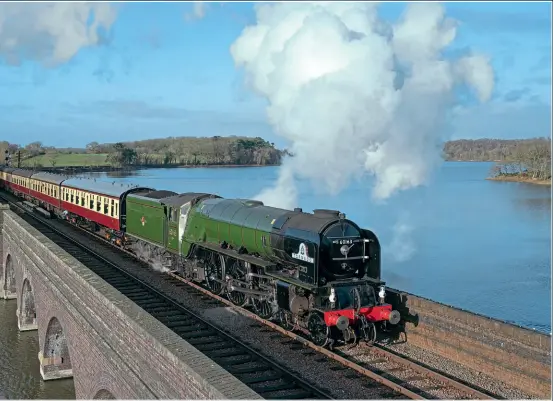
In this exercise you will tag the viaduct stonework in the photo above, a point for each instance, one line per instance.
(89, 331)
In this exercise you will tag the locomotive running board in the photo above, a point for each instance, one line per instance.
(233, 254)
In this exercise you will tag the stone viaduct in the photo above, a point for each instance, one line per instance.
(89, 331)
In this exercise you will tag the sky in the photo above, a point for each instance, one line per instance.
(75, 73)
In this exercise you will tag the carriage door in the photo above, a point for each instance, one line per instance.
(184, 210)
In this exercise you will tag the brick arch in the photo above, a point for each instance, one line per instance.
(104, 395)
(27, 307)
(9, 288)
(56, 358)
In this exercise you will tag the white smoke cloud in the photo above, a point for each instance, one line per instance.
(354, 95)
(402, 247)
(51, 33)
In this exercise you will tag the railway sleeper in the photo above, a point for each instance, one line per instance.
(201, 341)
(276, 387)
(237, 370)
(224, 353)
(172, 315)
(131, 290)
(140, 298)
(216, 346)
(175, 322)
(200, 333)
(298, 395)
(260, 379)
(247, 358)
(160, 306)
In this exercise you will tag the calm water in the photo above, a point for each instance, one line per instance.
(19, 366)
(476, 244)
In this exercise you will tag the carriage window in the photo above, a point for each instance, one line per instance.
(77, 199)
(82, 201)
(106, 206)
(117, 209)
(91, 206)
(72, 198)
(98, 204)
(112, 208)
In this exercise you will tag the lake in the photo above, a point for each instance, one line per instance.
(463, 240)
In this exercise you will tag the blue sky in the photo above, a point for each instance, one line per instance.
(165, 69)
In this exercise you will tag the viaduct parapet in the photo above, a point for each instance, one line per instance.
(88, 330)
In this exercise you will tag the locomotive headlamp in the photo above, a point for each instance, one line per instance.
(332, 297)
(382, 293)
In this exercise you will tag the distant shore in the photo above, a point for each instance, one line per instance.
(519, 178)
(106, 169)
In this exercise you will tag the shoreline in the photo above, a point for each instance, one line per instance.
(516, 178)
(107, 169)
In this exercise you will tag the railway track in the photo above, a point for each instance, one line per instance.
(377, 362)
(398, 376)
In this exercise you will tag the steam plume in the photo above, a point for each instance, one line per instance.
(51, 33)
(354, 95)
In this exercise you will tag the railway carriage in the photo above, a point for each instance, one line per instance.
(97, 201)
(45, 188)
(21, 181)
(5, 176)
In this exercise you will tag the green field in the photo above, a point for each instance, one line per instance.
(66, 160)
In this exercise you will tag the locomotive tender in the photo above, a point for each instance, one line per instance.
(315, 272)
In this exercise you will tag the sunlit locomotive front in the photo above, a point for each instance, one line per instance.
(349, 301)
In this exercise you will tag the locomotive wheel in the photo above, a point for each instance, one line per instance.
(318, 329)
(285, 319)
(214, 268)
(263, 308)
(236, 269)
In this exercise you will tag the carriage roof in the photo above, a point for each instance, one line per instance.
(22, 172)
(113, 189)
(50, 177)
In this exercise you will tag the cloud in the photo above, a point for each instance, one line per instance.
(51, 33)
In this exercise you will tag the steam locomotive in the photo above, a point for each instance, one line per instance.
(318, 272)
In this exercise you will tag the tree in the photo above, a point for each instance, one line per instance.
(34, 148)
(92, 147)
(122, 156)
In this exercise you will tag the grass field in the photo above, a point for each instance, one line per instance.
(66, 160)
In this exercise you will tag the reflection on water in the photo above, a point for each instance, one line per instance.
(19, 366)
(118, 173)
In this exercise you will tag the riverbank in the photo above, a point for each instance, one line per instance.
(108, 169)
(519, 178)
